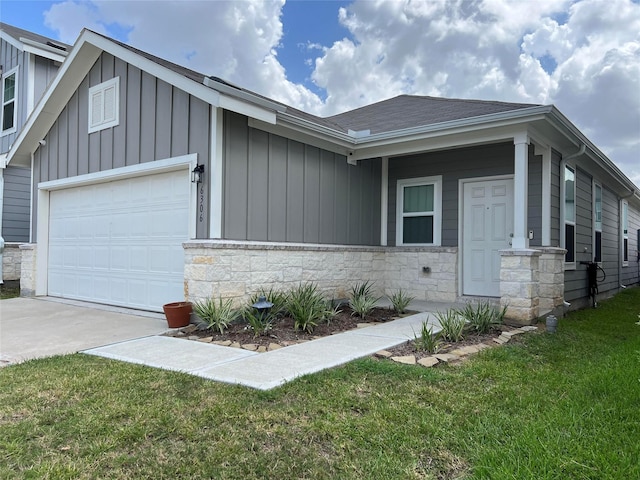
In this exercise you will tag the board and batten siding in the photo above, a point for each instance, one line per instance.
(463, 163)
(157, 121)
(15, 207)
(281, 190)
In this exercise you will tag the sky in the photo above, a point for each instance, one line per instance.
(326, 57)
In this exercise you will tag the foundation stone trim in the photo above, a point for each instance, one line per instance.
(520, 285)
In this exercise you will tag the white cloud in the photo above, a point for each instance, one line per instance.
(486, 49)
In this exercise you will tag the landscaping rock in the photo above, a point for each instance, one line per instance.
(500, 340)
(252, 347)
(206, 339)
(262, 349)
(190, 328)
(428, 361)
(224, 343)
(406, 359)
(273, 346)
(235, 345)
(446, 357)
(384, 354)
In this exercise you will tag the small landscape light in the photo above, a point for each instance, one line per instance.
(262, 306)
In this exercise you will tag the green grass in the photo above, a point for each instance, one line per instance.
(563, 406)
(9, 289)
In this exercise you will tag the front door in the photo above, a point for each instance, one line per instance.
(487, 226)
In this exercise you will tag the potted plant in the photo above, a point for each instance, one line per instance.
(178, 313)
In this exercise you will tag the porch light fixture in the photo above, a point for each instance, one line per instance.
(197, 174)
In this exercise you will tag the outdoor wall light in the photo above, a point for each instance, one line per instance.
(197, 174)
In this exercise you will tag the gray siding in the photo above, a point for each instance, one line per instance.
(610, 239)
(10, 57)
(453, 165)
(630, 274)
(15, 208)
(157, 121)
(45, 71)
(276, 189)
(556, 158)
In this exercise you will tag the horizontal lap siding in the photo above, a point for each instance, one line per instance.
(555, 198)
(276, 189)
(15, 208)
(576, 280)
(534, 202)
(157, 121)
(10, 57)
(631, 273)
(610, 239)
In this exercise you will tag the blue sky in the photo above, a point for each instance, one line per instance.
(326, 57)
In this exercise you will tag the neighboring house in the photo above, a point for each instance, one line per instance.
(28, 63)
(152, 183)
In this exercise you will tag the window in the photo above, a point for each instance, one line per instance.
(570, 215)
(104, 105)
(625, 234)
(9, 107)
(597, 223)
(418, 213)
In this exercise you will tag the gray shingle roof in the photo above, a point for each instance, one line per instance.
(406, 111)
(19, 33)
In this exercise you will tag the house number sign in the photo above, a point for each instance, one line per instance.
(201, 204)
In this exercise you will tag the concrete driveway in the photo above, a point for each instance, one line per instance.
(42, 327)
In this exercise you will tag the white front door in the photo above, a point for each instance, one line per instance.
(487, 226)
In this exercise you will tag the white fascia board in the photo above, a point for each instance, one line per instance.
(314, 129)
(246, 108)
(11, 40)
(439, 140)
(50, 52)
(299, 135)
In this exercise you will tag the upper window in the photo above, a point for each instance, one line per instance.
(104, 105)
(625, 234)
(597, 223)
(9, 106)
(419, 211)
(570, 215)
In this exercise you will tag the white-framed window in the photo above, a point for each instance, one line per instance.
(9, 101)
(624, 225)
(570, 216)
(597, 223)
(104, 101)
(419, 211)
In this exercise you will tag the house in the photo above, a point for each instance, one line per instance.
(152, 183)
(28, 63)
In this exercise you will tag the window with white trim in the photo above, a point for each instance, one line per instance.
(597, 223)
(570, 216)
(104, 105)
(9, 104)
(419, 211)
(625, 233)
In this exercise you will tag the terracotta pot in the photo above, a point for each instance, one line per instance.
(178, 314)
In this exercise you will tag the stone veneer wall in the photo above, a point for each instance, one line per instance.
(28, 270)
(551, 280)
(520, 285)
(239, 269)
(11, 261)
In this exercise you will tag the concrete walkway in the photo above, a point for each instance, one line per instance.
(265, 371)
(40, 327)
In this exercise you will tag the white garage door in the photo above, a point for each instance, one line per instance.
(120, 242)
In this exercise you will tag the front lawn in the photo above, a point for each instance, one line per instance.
(563, 406)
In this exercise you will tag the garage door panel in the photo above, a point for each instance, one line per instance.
(120, 242)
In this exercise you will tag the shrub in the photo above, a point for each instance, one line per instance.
(218, 315)
(259, 322)
(306, 305)
(483, 316)
(452, 324)
(400, 301)
(427, 341)
(362, 300)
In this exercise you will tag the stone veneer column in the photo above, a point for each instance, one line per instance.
(28, 270)
(552, 280)
(11, 261)
(519, 284)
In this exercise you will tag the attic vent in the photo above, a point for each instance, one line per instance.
(104, 105)
(55, 45)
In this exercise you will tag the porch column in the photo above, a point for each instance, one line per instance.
(520, 191)
(520, 285)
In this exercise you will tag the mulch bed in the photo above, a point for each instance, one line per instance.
(284, 334)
